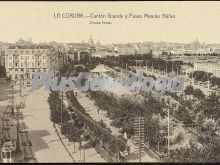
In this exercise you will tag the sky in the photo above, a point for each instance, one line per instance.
(193, 20)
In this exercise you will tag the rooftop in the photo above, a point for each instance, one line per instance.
(28, 47)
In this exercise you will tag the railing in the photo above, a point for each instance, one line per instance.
(90, 121)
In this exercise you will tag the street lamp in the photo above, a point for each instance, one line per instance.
(12, 99)
(61, 116)
(18, 149)
(208, 83)
(166, 67)
(84, 154)
(168, 127)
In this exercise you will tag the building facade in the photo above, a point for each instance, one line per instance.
(2, 58)
(3, 47)
(22, 63)
(125, 49)
(141, 49)
(79, 56)
(156, 53)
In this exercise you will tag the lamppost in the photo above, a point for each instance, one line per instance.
(80, 146)
(166, 67)
(146, 65)
(12, 99)
(61, 122)
(168, 126)
(152, 67)
(18, 149)
(172, 64)
(208, 83)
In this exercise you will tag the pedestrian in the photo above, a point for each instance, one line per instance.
(98, 110)
(128, 149)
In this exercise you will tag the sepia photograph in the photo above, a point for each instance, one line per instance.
(109, 81)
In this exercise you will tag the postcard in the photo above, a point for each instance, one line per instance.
(109, 81)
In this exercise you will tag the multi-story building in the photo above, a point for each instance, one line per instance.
(213, 68)
(156, 53)
(217, 51)
(79, 55)
(2, 58)
(125, 49)
(22, 63)
(57, 58)
(177, 52)
(3, 47)
(103, 53)
(142, 49)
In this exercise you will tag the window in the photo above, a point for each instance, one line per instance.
(21, 57)
(22, 51)
(32, 64)
(16, 64)
(22, 64)
(27, 51)
(38, 64)
(32, 51)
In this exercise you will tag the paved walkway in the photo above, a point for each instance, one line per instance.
(92, 110)
(91, 155)
(46, 143)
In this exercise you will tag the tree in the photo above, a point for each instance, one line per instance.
(66, 128)
(189, 90)
(152, 105)
(182, 114)
(200, 118)
(207, 152)
(210, 106)
(2, 72)
(198, 94)
(210, 125)
(152, 130)
(56, 107)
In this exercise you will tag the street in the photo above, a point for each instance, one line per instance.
(46, 143)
